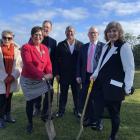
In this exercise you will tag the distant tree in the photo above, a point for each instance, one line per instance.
(135, 44)
(136, 52)
(131, 39)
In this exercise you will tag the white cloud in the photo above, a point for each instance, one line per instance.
(40, 15)
(131, 26)
(58, 31)
(71, 14)
(121, 8)
(21, 32)
(40, 2)
(74, 14)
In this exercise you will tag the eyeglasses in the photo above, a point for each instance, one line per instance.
(7, 38)
(40, 35)
(93, 32)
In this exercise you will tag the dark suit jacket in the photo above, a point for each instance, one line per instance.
(67, 62)
(82, 59)
(51, 45)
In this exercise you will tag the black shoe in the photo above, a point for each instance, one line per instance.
(2, 123)
(29, 128)
(45, 117)
(88, 123)
(59, 114)
(36, 112)
(75, 112)
(8, 118)
(96, 127)
(79, 115)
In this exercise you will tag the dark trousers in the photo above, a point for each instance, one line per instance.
(5, 104)
(30, 105)
(64, 86)
(39, 100)
(113, 108)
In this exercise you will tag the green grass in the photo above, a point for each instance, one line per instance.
(137, 79)
(68, 126)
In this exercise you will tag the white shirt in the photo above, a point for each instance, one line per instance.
(71, 47)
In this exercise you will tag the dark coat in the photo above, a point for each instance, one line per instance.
(51, 45)
(82, 59)
(67, 62)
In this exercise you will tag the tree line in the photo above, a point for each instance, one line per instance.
(134, 41)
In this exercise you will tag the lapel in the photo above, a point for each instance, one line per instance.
(98, 48)
(110, 53)
(86, 51)
(37, 53)
(67, 46)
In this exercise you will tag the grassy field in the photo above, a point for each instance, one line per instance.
(68, 126)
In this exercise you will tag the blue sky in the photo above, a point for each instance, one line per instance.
(21, 15)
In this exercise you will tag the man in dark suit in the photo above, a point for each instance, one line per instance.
(87, 63)
(66, 56)
(51, 44)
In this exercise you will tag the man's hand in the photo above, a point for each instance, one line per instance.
(57, 78)
(78, 79)
(91, 78)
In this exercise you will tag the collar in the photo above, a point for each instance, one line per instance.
(95, 43)
(72, 43)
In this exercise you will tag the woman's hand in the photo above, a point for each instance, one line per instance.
(78, 79)
(48, 76)
(9, 79)
(57, 78)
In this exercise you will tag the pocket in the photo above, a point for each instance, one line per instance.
(116, 83)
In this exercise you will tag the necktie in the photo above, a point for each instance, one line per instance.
(90, 56)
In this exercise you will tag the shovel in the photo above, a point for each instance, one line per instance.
(83, 113)
(49, 123)
(58, 93)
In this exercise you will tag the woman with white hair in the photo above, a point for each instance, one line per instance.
(10, 65)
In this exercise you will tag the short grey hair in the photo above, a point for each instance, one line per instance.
(69, 27)
(7, 32)
(47, 21)
(92, 27)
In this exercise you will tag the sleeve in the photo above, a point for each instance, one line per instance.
(48, 67)
(127, 59)
(54, 57)
(58, 59)
(27, 62)
(18, 65)
(79, 64)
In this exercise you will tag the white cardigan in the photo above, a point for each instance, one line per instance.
(15, 71)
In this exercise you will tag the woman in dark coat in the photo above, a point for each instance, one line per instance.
(114, 76)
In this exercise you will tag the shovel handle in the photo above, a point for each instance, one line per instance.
(83, 113)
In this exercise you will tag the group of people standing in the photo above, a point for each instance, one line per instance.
(74, 64)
